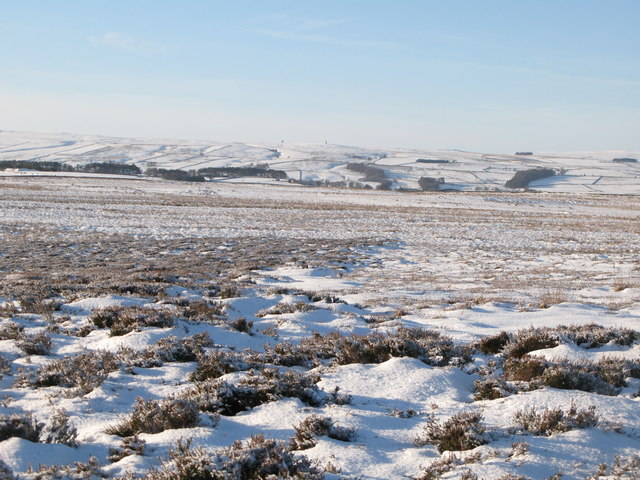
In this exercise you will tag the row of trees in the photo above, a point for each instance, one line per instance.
(371, 174)
(110, 168)
(226, 172)
(256, 171)
(175, 175)
(430, 184)
(432, 160)
(40, 166)
(96, 167)
(522, 178)
(113, 168)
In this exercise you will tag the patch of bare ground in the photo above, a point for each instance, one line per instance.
(76, 264)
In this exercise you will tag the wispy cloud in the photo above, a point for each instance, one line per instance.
(321, 23)
(126, 42)
(325, 39)
(619, 82)
(314, 30)
(541, 72)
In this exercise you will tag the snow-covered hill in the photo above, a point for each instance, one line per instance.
(582, 172)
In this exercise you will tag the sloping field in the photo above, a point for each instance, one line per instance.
(581, 172)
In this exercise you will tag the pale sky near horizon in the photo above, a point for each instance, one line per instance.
(483, 75)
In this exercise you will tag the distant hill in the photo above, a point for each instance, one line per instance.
(587, 172)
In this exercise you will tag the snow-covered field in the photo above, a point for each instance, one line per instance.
(364, 325)
(582, 172)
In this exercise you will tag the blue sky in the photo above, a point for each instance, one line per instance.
(494, 75)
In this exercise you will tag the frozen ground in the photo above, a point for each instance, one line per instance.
(582, 172)
(257, 265)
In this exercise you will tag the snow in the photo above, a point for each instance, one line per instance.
(19, 454)
(466, 265)
(585, 172)
(575, 353)
(90, 304)
(403, 383)
(316, 279)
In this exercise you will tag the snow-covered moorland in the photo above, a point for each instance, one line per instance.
(223, 330)
(612, 172)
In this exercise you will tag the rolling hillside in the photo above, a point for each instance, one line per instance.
(581, 172)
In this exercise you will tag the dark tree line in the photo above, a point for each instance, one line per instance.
(114, 168)
(110, 168)
(243, 172)
(432, 160)
(522, 178)
(371, 174)
(40, 166)
(202, 174)
(96, 167)
(430, 184)
(176, 175)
